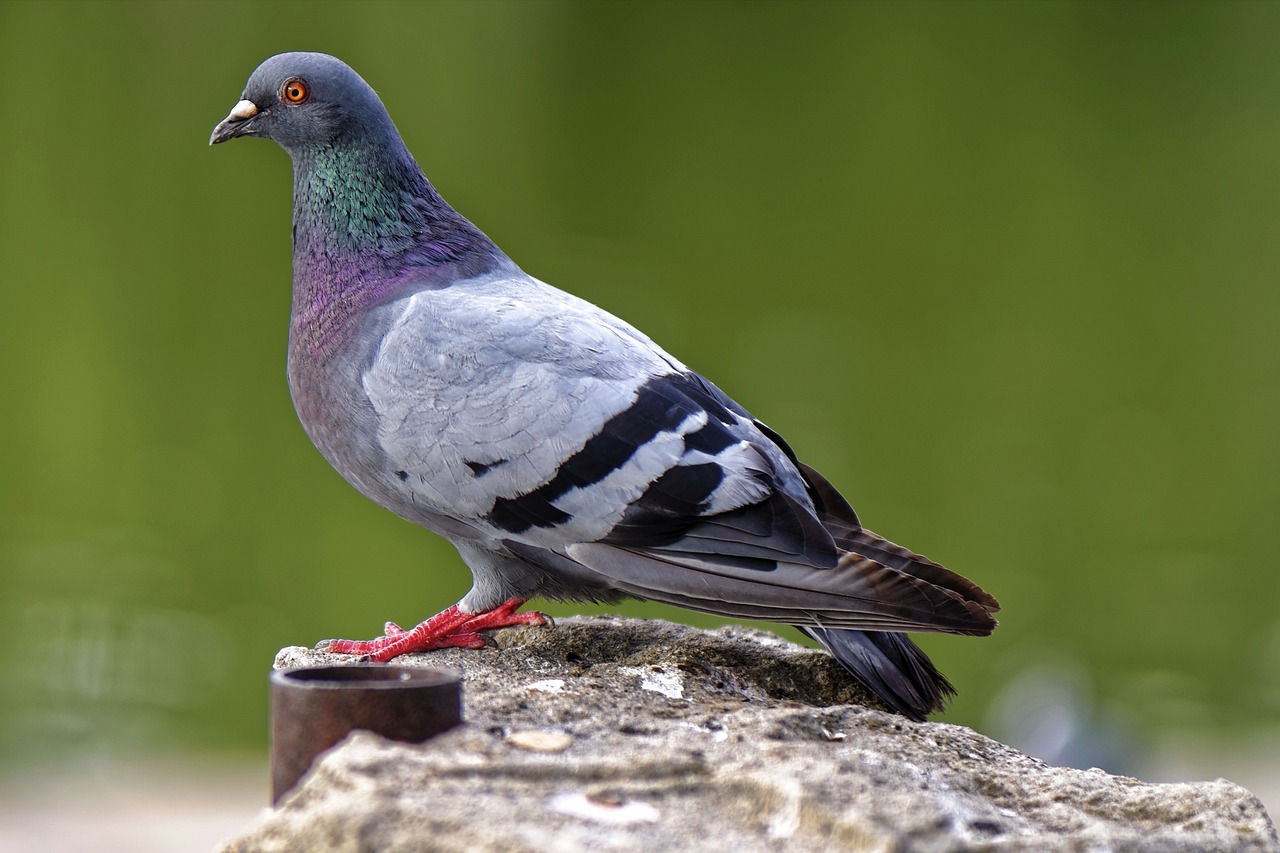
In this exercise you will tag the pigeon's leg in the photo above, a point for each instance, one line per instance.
(451, 628)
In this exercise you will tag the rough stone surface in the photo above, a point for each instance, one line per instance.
(620, 734)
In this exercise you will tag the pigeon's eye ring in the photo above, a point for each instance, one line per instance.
(294, 91)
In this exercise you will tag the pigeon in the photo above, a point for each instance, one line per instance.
(561, 451)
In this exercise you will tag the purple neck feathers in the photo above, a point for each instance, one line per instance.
(368, 227)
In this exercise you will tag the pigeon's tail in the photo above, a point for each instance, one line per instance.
(890, 666)
(886, 662)
(842, 523)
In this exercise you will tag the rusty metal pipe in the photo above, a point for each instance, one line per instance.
(315, 707)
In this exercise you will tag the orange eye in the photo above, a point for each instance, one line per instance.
(294, 91)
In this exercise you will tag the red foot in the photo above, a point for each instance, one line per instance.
(450, 629)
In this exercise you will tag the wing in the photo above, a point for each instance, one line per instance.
(534, 416)
(765, 560)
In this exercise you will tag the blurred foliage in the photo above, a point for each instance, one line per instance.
(1005, 272)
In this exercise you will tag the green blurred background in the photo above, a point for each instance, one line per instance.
(1004, 272)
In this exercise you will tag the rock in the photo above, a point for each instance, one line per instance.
(620, 734)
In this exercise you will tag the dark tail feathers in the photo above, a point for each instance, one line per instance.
(890, 666)
(888, 663)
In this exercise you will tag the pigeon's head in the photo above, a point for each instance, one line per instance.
(303, 101)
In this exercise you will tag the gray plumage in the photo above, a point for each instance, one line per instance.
(564, 453)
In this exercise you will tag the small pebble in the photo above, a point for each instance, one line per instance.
(550, 685)
(539, 741)
(603, 809)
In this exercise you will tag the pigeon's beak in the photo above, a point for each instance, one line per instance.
(238, 122)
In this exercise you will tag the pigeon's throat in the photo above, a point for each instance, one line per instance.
(371, 207)
(367, 226)
(353, 201)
